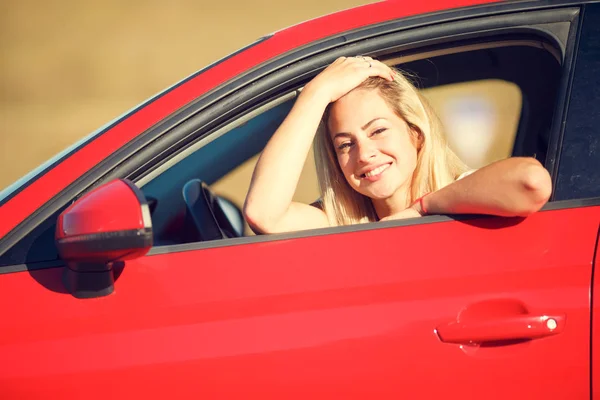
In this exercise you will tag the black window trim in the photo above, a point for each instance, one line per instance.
(182, 128)
(563, 97)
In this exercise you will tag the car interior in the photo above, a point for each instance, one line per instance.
(190, 203)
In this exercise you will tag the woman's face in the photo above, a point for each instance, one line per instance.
(376, 149)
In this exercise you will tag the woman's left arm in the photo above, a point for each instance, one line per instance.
(516, 186)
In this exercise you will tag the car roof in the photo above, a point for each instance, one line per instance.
(25, 196)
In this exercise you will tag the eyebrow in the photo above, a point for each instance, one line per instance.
(365, 126)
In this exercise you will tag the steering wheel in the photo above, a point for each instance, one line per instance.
(214, 217)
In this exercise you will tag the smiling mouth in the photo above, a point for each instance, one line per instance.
(375, 172)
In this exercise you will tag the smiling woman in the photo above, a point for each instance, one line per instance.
(403, 133)
(381, 155)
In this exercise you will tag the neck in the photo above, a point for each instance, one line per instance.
(397, 202)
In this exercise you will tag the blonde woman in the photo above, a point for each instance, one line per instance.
(381, 155)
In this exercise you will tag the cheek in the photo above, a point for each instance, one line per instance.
(406, 150)
(343, 161)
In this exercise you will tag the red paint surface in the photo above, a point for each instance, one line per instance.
(596, 328)
(338, 316)
(109, 208)
(55, 180)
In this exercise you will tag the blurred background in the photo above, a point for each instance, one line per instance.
(68, 67)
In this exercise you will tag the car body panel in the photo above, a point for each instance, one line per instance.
(42, 189)
(344, 315)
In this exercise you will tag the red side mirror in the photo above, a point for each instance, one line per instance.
(109, 224)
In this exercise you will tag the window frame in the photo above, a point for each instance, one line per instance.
(327, 231)
(171, 216)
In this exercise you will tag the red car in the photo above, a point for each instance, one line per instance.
(126, 269)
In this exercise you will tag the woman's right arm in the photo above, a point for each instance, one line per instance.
(269, 207)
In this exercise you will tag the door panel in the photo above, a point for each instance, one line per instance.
(343, 315)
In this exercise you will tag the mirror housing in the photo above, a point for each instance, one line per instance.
(109, 224)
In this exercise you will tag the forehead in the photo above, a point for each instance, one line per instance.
(355, 109)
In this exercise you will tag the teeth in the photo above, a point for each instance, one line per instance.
(376, 171)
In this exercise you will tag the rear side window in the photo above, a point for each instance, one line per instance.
(579, 167)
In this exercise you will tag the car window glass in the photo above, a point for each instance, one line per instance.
(579, 164)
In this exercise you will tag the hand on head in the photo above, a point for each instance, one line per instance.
(346, 73)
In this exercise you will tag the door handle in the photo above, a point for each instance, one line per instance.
(501, 328)
(499, 320)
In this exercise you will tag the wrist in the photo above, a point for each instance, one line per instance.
(421, 205)
(314, 92)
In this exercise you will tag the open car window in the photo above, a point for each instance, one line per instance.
(492, 108)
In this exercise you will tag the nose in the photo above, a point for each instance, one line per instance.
(366, 150)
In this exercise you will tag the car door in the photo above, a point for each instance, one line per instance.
(355, 314)
(472, 306)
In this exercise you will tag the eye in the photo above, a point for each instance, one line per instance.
(344, 146)
(378, 131)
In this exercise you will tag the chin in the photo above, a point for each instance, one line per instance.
(380, 190)
(381, 193)
(378, 194)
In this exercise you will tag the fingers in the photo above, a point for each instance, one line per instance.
(339, 60)
(346, 73)
(359, 60)
(377, 68)
(374, 67)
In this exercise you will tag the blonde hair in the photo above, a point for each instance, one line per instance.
(437, 165)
